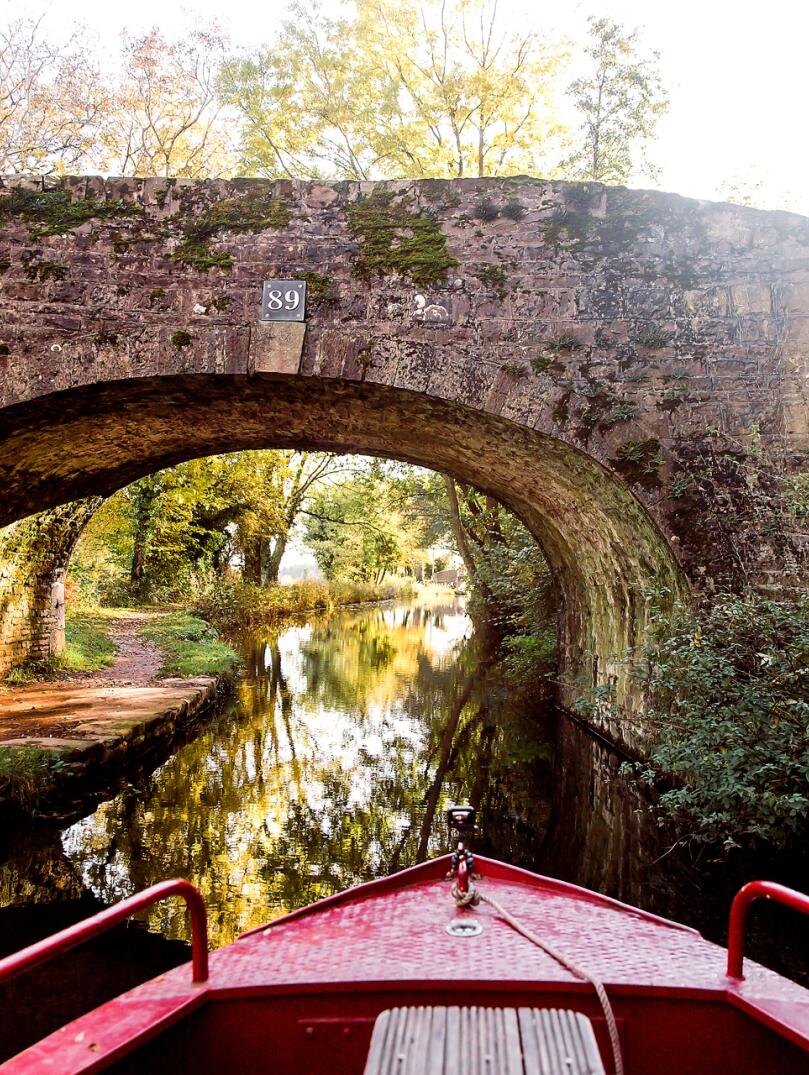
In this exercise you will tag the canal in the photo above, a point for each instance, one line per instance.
(350, 735)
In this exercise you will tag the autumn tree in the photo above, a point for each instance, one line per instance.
(397, 89)
(51, 100)
(303, 102)
(620, 99)
(469, 96)
(172, 529)
(165, 117)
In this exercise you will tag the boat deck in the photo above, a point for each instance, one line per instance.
(328, 970)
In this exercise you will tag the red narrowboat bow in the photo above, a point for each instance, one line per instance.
(502, 979)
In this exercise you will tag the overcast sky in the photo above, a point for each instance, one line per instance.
(736, 72)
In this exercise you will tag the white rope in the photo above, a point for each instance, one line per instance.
(473, 897)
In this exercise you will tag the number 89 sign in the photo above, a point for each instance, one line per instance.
(283, 300)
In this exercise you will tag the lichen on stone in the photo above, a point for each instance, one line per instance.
(51, 212)
(181, 339)
(393, 239)
(240, 215)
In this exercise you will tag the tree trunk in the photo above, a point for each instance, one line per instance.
(146, 495)
(275, 557)
(252, 562)
(458, 529)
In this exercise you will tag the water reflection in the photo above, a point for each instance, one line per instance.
(352, 733)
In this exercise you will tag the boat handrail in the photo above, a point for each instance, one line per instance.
(756, 890)
(49, 947)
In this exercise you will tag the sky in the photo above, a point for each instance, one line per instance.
(737, 74)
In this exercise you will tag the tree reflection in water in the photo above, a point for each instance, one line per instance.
(351, 735)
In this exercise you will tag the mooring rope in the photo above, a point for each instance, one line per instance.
(473, 897)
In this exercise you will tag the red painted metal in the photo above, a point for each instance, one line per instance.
(305, 989)
(463, 876)
(61, 942)
(756, 890)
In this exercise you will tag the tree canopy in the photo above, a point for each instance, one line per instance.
(380, 89)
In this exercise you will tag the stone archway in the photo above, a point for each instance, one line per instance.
(596, 358)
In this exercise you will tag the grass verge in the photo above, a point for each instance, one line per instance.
(88, 647)
(191, 647)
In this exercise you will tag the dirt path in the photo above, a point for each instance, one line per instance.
(55, 709)
(137, 662)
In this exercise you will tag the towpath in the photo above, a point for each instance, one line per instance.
(67, 708)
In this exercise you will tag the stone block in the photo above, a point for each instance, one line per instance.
(276, 347)
(751, 298)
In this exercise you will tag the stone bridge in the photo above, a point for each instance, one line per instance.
(625, 370)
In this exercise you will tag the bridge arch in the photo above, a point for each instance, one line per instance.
(603, 547)
(569, 348)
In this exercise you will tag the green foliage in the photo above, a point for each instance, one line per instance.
(562, 344)
(494, 276)
(513, 598)
(25, 772)
(191, 647)
(796, 493)
(486, 210)
(541, 363)
(622, 411)
(239, 215)
(165, 535)
(181, 339)
(33, 672)
(621, 99)
(513, 209)
(201, 256)
(728, 690)
(363, 528)
(44, 270)
(531, 659)
(640, 461)
(320, 288)
(650, 337)
(395, 240)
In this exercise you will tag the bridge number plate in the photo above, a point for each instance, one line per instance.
(283, 300)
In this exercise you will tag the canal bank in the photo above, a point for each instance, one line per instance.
(65, 745)
(63, 748)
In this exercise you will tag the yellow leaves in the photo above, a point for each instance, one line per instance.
(51, 100)
(165, 115)
(478, 95)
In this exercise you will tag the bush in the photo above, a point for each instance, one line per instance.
(240, 606)
(728, 691)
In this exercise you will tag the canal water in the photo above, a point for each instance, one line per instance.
(350, 735)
